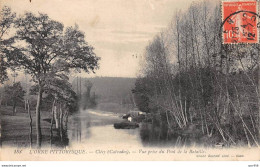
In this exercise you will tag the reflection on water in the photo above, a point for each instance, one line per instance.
(96, 128)
(59, 137)
(163, 136)
(79, 127)
(92, 127)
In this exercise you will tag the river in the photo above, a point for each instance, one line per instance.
(93, 127)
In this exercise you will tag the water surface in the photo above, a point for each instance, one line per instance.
(94, 127)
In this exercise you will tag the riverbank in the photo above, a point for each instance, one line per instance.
(16, 128)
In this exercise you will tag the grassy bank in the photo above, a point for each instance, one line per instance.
(16, 128)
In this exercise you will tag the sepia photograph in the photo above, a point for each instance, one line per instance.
(129, 80)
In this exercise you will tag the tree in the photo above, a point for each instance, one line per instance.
(88, 100)
(64, 101)
(141, 95)
(48, 50)
(16, 94)
(7, 19)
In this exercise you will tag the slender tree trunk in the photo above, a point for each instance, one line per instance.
(1, 98)
(30, 116)
(38, 116)
(52, 119)
(61, 122)
(66, 120)
(25, 104)
(247, 138)
(14, 107)
(56, 116)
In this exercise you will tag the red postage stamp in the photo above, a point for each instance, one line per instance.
(239, 22)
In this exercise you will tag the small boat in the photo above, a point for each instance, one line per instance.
(126, 125)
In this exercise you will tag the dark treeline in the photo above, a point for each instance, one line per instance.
(192, 81)
(106, 93)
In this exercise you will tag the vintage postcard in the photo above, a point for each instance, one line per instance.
(135, 80)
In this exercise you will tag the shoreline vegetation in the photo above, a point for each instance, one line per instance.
(196, 86)
(16, 128)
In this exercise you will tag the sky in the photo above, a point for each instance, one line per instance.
(117, 29)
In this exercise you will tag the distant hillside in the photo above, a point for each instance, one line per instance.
(110, 91)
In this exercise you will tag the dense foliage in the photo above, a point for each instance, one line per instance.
(48, 52)
(191, 79)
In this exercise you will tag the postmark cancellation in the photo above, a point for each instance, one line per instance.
(240, 22)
